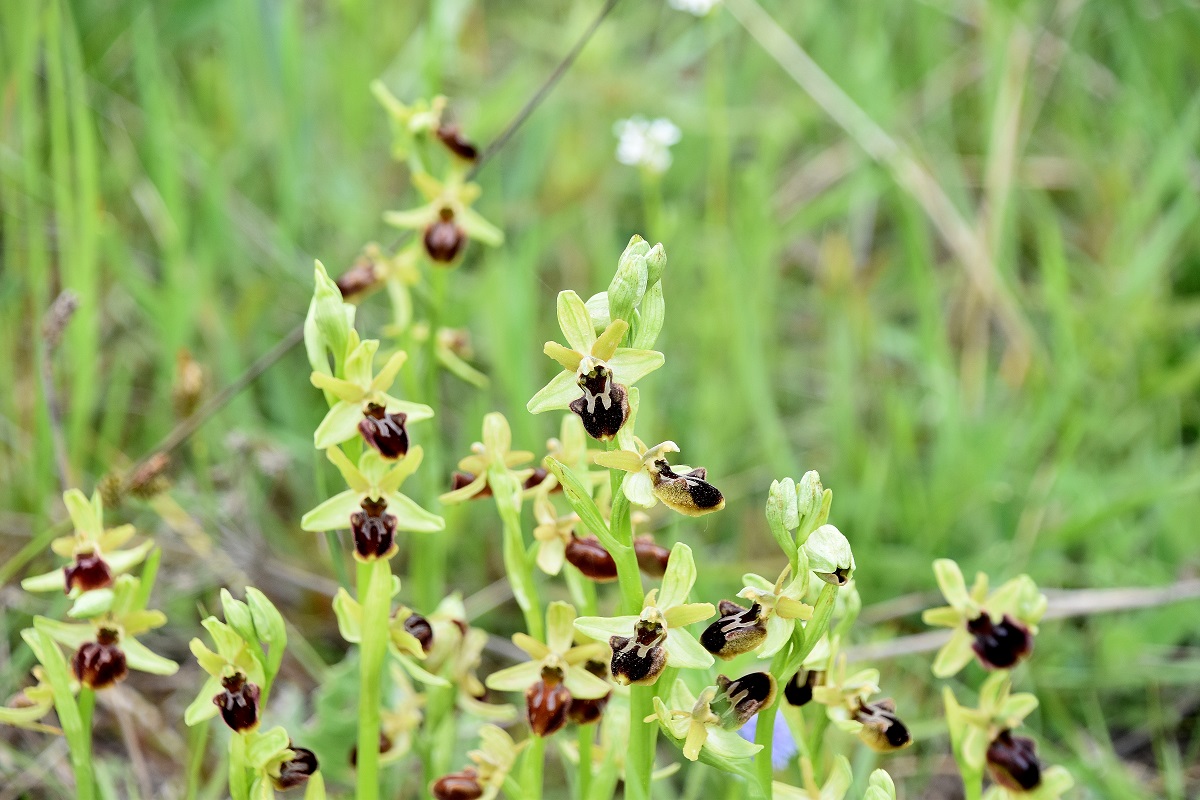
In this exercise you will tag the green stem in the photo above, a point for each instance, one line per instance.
(628, 574)
(764, 733)
(517, 563)
(639, 761)
(375, 593)
(83, 765)
(584, 736)
(197, 740)
(532, 768)
(239, 787)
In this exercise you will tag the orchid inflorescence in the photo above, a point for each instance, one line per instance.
(734, 684)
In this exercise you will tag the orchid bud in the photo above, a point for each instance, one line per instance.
(829, 555)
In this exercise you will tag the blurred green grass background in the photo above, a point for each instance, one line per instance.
(179, 164)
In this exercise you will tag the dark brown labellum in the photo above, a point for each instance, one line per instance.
(604, 406)
(589, 557)
(459, 480)
(739, 700)
(100, 664)
(456, 143)
(89, 572)
(547, 703)
(641, 658)
(689, 493)
(374, 530)
(385, 432)
(1013, 762)
(839, 577)
(586, 712)
(444, 240)
(297, 771)
(420, 628)
(359, 279)
(739, 630)
(882, 730)
(1000, 646)
(239, 703)
(457, 786)
(651, 557)
(799, 691)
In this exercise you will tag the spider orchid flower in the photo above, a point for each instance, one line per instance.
(373, 507)
(447, 220)
(644, 645)
(556, 673)
(651, 478)
(95, 550)
(364, 406)
(596, 372)
(996, 628)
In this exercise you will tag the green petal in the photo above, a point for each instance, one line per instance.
(143, 659)
(351, 474)
(203, 708)
(601, 628)
(757, 582)
(629, 365)
(639, 489)
(584, 685)
(839, 780)
(560, 633)
(950, 580)
(339, 425)
(779, 630)
(727, 744)
(263, 746)
(685, 652)
(411, 517)
(92, 604)
(84, 515)
(576, 322)
(46, 582)
(478, 228)
(516, 678)
(679, 578)
(417, 671)
(333, 514)
(558, 394)
(417, 412)
(413, 218)
(70, 634)
(954, 655)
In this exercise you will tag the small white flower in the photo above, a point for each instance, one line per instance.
(645, 143)
(697, 7)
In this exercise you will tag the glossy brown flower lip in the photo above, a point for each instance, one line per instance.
(689, 493)
(89, 572)
(1000, 645)
(639, 659)
(739, 630)
(100, 664)
(547, 703)
(882, 730)
(604, 406)
(799, 691)
(738, 700)
(374, 530)
(450, 135)
(1013, 763)
(584, 711)
(297, 770)
(457, 786)
(238, 703)
(651, 556)
(588, 556)
(444, 240)
(385, 432)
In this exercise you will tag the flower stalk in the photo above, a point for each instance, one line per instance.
(374, 592)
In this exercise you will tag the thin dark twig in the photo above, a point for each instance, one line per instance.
(551, 81)
(53, 324)
(187, 427)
